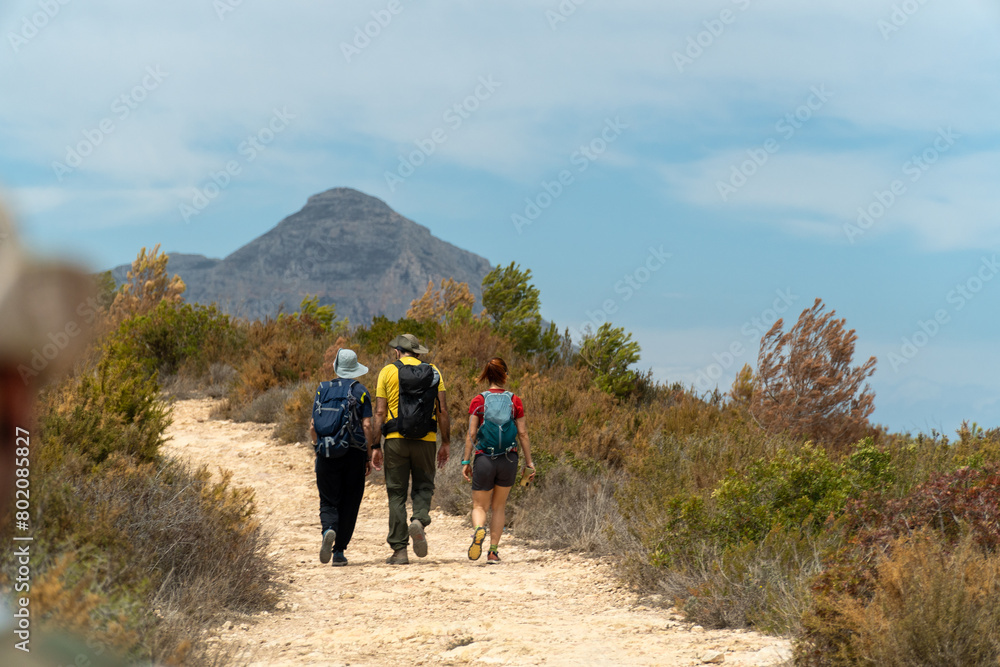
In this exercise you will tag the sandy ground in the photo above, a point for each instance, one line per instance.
(538, 607)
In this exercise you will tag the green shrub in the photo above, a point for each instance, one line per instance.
(608, 353)
(512, 304)
(114, 407)
(175, 336)
(323, 316)
(794, 490)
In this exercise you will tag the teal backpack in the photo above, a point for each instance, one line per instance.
(498, 433)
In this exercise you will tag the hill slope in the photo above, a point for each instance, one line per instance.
(348, 247)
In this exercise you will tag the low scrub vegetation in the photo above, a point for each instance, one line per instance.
(775, 506)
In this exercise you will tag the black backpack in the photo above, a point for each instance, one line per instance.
(418, 394)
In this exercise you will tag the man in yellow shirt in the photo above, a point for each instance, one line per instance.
(411, 409)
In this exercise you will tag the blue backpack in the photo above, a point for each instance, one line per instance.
(336, 418)
(498, 433)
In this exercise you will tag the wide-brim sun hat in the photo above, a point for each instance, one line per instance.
(409, 343)
(346, 365)
(44, 307)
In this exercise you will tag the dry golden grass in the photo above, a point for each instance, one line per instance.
(934, 604)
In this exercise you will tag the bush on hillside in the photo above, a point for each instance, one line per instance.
(966, 501)
(146, 286)
(805, 383)
(436, 305)
(175, 337)
(934, 603)
(608, 353)
(111, 407)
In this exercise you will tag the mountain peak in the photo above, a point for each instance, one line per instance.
(348, 247)
(345, 196)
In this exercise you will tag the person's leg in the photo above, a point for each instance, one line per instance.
(481, 501)
(397, 479)
(506, 473)
(483, 474)
(329, 493)
(499, 504)
(352, 490)
(328, 483)
(423, 462)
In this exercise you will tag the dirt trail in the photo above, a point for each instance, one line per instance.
(538, 607)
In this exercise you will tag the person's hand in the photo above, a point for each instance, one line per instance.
(467, 472)
(368, 467)
(443, 454)
(531, 468)
(377, 459)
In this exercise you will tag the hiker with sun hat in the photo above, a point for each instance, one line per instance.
(341, 430)
(411, 411)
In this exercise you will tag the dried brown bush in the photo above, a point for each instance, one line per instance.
(436, 304)
(806, 385)
(147, 286)
(934, 605)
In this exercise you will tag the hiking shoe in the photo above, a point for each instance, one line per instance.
(398, 557)
(329, 536)
(492, 557)
(476, 549)
(419, 539)
(339, 559)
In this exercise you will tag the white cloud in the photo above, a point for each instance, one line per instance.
(950, 204)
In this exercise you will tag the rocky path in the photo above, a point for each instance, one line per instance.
(538, 607)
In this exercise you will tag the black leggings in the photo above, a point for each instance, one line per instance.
(341, 484)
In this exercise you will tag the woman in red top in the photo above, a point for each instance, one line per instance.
(493, 475)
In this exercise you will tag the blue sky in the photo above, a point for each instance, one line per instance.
(777, 151)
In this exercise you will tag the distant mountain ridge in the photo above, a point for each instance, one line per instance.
(349, 248)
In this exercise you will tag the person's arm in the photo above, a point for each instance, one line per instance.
(522, 436)
(381, 410)
(312, 430)
(444, 428)
(470, 438)
(366, 424)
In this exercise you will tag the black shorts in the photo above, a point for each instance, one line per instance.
(488, 471)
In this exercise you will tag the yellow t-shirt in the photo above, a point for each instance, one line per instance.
(388, 388)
